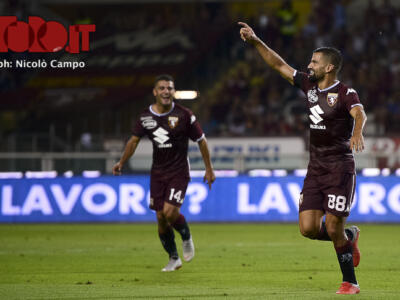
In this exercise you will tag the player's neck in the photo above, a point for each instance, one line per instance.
(326, 82)
(161, 109)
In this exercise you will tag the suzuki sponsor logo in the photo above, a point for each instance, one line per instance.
(161, 136)
(316, 112)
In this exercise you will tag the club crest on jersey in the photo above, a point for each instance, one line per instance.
(312, 96)
(173, 122)
(149, 123)
(332, 98)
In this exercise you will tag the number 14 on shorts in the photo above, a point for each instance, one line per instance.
(338, 203)
(176, 196)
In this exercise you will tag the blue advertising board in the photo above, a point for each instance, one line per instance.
(231, 199)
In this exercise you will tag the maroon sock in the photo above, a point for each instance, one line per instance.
(345, 258)
(182, 227)
(168, 241)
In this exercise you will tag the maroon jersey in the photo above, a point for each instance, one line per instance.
(331, 125)
(169, 133)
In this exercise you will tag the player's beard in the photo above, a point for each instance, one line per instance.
(312, 76)
(166, 102)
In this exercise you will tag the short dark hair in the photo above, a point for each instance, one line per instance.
(334, 56)
(165, 77)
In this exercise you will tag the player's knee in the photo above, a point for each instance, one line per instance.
(334, 232)
(309, 232)
(171, 215)
(161, 218)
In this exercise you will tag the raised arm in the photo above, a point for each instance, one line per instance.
(128, 152)
(209, 176)
(270, 56)
(357, 140)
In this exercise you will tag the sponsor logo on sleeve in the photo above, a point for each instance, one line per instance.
(350, 90)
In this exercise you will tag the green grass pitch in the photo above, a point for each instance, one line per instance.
(233, 261)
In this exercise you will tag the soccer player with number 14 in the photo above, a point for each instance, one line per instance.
(169, 126)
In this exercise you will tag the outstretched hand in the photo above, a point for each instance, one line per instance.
(246, 33)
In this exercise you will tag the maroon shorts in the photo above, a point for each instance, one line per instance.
(172, 191)
(331, 193)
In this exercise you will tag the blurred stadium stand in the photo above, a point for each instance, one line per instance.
(78, 119)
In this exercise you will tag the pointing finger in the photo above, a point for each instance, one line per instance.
(243, 24)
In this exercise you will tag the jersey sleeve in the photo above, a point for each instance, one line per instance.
(196, 134)
(351, 99)
(301, 80)
(138, 129)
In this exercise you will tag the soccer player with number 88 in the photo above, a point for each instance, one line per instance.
(337, 119)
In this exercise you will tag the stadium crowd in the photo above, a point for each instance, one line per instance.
(250, 100)
(240, 94)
